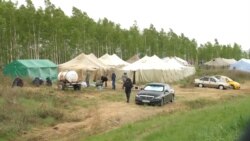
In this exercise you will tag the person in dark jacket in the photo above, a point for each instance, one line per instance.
(87, 78)
(48, 81)
(113, 78)
(128, 85)
(17, 82)
(104, 80)
(37, 81)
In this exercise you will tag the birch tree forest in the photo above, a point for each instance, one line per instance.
(27, 32)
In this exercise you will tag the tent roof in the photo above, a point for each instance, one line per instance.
(153, 62)
(220, 62)
(34, 63)
(173, 62)
(133, 58)
(84, 62)
(112, 60)
(32, 68)
(242, 65)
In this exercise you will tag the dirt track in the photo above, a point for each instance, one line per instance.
(109, 115)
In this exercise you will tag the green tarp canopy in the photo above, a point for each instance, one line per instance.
(42, 68)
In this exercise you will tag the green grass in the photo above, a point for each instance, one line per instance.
(220, 122)
(23, 109)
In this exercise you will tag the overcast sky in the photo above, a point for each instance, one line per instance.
(204, 20)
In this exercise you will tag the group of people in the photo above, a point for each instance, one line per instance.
(127, 83)
(18, 82)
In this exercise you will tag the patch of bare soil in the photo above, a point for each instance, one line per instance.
(109, 115)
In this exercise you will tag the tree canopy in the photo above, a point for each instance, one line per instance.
(30, 33)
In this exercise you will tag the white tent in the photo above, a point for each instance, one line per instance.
(134, 58)
(113, 61)
(182, 61)
(187, 70)
(154, 69)
(241, 65)
(220, 62)
(84, 62)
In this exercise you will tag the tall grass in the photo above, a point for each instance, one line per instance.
(221, 122)
(23, 109)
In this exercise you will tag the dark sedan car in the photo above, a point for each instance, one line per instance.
(155, 94)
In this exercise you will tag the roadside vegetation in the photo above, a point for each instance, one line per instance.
(224, 121)
(23, 110)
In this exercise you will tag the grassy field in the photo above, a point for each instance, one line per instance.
(46, 113)
(220, 122)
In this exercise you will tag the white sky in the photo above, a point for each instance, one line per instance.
(204, 20)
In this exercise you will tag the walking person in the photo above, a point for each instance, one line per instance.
(87, 78)
(113, 78)
(128, 85)
(124, 77)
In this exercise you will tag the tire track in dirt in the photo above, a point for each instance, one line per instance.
(109, 115)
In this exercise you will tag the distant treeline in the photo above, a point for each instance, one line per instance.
(30, 33)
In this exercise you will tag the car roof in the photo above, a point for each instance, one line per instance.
(156, 83)
(209, 77)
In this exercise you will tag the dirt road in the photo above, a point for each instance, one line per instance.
(108, 115)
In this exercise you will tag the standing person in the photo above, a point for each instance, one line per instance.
(113, 78)
(124, 77)
(17, 82)
(87, 78)
(104, 80)
(128, 85)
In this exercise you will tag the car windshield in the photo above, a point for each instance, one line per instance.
(157, 88)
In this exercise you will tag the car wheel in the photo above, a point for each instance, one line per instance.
(172, 99)
(200, 85)
(221, 87)
(162, 102)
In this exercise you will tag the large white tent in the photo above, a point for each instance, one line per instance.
(187, 69)
(154, 69)
(220, 62)
(112, 61)
(84, 62)
(241, 65)
(134, 58)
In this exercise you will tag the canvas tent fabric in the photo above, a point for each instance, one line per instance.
(220, 62)
(182, 61)
(83, 63)
(42, 68)
(112, 60)
(133, 58)
(154, 69)
(241, 65)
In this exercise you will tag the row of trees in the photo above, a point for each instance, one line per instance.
(30, 33)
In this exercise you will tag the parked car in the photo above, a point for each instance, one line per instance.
(212, 82)
(234, 84)
(155, 94)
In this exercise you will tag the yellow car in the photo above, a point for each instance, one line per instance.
(234, 84)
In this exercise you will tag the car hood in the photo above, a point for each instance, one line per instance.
(234, 83)
(150, 93)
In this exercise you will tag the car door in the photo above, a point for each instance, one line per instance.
(205, 81)
(212, 83)
(167, 94)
